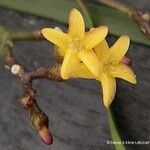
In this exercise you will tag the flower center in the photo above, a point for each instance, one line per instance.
(76, 45)
(108, 65)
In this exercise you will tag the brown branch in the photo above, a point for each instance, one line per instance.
(47, 73)
(142, 18)
(38, 118)
(117, 5)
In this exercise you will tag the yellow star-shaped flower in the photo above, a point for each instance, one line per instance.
(112, 67)
(77, 45)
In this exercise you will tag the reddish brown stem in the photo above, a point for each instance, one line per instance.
(38, 118)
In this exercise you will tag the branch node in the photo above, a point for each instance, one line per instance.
(15, 69)
(26, 101)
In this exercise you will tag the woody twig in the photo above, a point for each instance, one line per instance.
(39, 120)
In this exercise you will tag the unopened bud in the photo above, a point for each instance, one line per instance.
(126, 61)
(39, 122)
(45, 135)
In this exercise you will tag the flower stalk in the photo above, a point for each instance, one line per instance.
(114, 130)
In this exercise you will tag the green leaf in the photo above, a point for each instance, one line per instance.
(2, 31)
(114, 131)
(118, 22)
(3, 45)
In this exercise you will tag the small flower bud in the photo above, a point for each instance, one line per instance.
(126, 61)
(45, 135)
(39, 122)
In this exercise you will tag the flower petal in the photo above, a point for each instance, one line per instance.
(56, 37)
(95, 36)
(69, 62)
(119, 49)
(109, 89)
(76, 24)
(81, 71)
(59, 51)
(101, 49)
(124, 72)
(91, 61)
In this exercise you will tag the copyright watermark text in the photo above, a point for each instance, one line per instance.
(128, 142)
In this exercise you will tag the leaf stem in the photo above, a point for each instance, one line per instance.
(22, 36)
(114, 130)
(117, 5)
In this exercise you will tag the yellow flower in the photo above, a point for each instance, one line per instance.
(112, 67)
(77, 45)
(87, 55)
